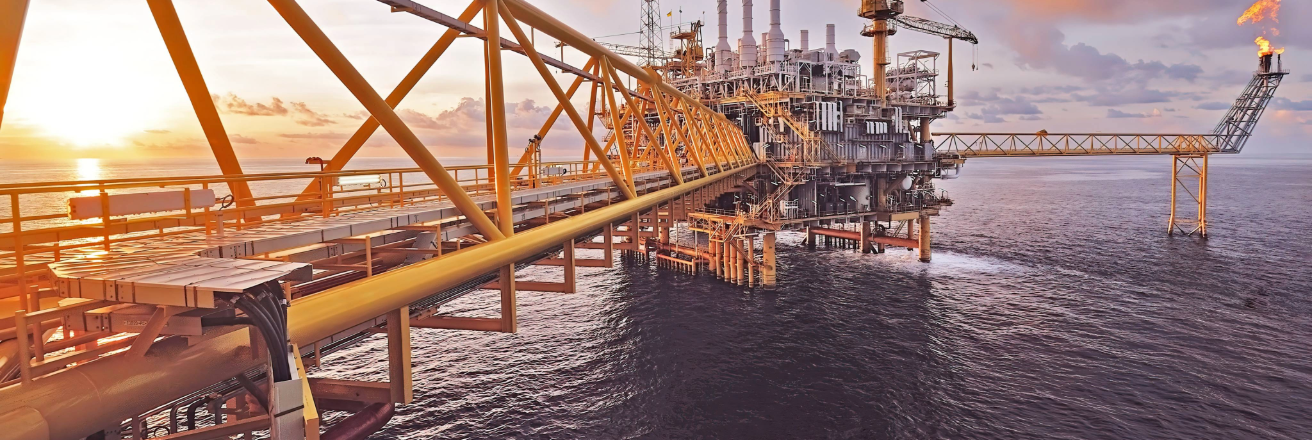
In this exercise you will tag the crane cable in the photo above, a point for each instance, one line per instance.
(940, 12)
(974, 64)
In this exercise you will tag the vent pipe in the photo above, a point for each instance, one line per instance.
(723, 53)
(775, 39)
(747, 46)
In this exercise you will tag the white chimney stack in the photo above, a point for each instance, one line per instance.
(723, 53)
(775, 45)
(831, 48)
(747, 46)
(806, 40)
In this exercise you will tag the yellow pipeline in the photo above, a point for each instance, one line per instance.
(321, 315)
(91, 397)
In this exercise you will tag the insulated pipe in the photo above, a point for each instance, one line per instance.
(747, 53)
(90, 397)
(360, 425)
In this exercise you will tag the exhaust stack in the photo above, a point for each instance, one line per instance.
(723, 53)
(747, 45)
(775, 40)
(806, 41)
(831, 48)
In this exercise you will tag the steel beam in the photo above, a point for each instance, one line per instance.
(370, 125)
(351, 78)
(12, 15)
(175, 39)
(626, 186)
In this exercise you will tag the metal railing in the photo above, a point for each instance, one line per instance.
(1053, 144)
(39, 229)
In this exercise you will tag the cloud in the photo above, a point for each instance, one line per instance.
(1213, 106)
(300, 113)
(416, 120)
(320, 135)
(309, 118)
(157, 131)
(1042, 47)
(1288, 104)
(239, 139)
(988, 118)
(1112, 11)
(1117, 114)
(1112, 98)
(1010, 106)
(235, 105)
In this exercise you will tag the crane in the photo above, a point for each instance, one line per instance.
(935, 28)
(886, 16)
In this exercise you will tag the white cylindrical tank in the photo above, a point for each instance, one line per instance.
(906, 182)
(747, 45)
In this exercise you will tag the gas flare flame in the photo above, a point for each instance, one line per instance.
(1264, 47)
(1257, 13)
(1260, 11)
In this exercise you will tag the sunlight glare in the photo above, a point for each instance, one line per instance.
(94, 84)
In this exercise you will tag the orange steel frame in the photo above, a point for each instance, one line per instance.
(710, 142)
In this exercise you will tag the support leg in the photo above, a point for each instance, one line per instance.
(571, 280)
(924, 239)
(509, 304)
(400, 379)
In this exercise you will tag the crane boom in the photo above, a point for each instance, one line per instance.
(935, 28)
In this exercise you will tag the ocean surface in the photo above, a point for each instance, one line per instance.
(1056, 307)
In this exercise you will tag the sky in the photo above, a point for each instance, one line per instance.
(93, 78)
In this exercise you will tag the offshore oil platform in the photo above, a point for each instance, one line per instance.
(198, 307)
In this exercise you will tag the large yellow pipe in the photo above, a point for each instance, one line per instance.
(321, 315)
(91, 397)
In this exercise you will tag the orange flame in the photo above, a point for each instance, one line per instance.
(1264, 47)
(1259, 11)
